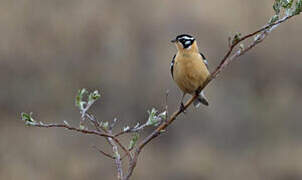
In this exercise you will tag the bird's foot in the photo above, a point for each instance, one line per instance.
(182, 108)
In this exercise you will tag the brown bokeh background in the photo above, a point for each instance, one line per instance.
(49, 49)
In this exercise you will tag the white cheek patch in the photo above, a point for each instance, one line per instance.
(187, 42)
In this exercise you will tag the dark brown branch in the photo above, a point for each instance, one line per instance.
(85, 131)
(123, 147)
(266, 27)
(223, 63)
(104, 153)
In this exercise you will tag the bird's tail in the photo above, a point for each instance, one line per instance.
(200, 100)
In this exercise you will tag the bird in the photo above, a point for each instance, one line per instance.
(189, 69)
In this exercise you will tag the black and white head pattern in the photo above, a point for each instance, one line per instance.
(186, 40)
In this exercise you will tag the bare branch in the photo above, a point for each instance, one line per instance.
(84, 131)
(94, 121)
(117, 159)
(132, 130)
(113, 137)
(112, 125)
(221, 66)
(104, 153)
(166, 106)
(112, 141)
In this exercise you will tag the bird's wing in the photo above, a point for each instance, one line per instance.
(204, 60)
(172, 65)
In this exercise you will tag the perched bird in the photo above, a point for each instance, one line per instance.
(189, 68)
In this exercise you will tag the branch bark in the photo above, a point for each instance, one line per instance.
(84, 131)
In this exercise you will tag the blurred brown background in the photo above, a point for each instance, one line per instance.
(49, 49)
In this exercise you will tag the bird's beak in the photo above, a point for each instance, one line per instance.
(173, 40)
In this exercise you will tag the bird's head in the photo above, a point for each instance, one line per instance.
(185, 42)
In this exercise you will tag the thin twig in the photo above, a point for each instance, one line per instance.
(112, 125)
(85, 131)
(132, 130)
(104, 153)
(112, 141)
(220, 67)
(117, 159)
(166, 106)
(113, 137)
(123, 147)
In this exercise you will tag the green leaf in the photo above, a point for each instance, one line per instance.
(289, 11)
(274, 19)
(79, 102)
(116, 154)
(133, 140)
(236, 38)
(94, 96)
(82, 127)
(153, 119)
(163, 115)
(105, 125)
(277, 6)
(287, 3)
(27, 118)
(298, 8)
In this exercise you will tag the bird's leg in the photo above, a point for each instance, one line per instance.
(182, 107)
